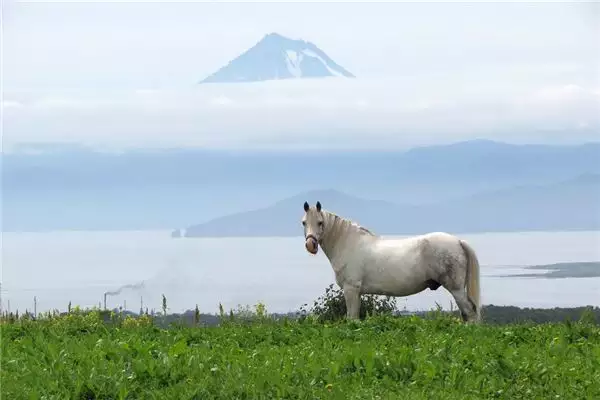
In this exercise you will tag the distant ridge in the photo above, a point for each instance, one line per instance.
(71, 188)
(277, 57)
(568, 205)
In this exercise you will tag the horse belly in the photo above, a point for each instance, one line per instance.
(395, 280)
(399, 289)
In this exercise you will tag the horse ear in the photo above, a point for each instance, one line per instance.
(306, 206)
(319, 206)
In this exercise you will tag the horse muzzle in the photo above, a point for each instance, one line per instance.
(311, 244)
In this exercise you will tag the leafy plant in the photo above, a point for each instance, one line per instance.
(332, 305)
(196, 315)
(164, 305)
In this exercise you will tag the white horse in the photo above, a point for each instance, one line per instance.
(365, 263)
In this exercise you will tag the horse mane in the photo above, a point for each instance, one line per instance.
(351, 224)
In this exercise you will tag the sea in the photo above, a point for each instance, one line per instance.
(48, 270)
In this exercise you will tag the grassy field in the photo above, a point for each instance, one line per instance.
(81, 356)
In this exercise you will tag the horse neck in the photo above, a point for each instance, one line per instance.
(340, 234)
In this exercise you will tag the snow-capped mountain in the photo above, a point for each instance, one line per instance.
(277, 57)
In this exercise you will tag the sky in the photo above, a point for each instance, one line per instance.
(125, 75)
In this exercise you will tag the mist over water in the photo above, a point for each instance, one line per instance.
(136, 268)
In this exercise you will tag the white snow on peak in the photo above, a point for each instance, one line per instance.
(293, 61)
(310, 53)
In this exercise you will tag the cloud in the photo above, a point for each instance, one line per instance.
(221, 101)
(562, 107)
(563, 94)
(59, 102)
(316, 113)
(11, 104)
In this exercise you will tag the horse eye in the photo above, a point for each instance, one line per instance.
(304, 223)
(320, 223)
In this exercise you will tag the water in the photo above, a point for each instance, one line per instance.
(58, 267)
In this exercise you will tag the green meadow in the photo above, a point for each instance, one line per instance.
(93, 355)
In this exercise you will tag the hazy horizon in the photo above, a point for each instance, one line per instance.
(230, 271)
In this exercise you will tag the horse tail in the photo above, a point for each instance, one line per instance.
(473, 287)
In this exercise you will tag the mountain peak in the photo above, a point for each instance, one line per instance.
(275, 35)
(277, 57)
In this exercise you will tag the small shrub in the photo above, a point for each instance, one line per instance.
(137, 322)
(164, 305)
(332, 305)
(196, 315)
(588, 317)
(260, 310)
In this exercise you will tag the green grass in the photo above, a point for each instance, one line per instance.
(79, 356)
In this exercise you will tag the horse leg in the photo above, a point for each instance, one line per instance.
(352, 297)
(456, 285)
(466, 307)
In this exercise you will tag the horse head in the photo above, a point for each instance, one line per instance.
(313, 222)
